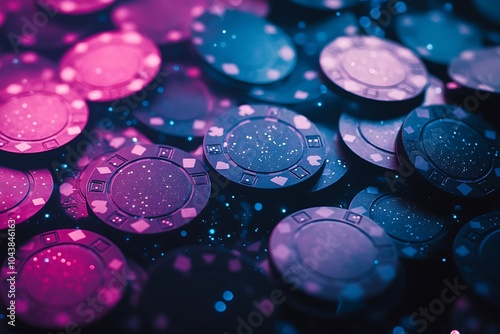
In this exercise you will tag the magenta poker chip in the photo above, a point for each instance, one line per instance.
(78, 7)
(110, 65)
(61, 273)
(164, 21)
(23, 194)
(39, 116)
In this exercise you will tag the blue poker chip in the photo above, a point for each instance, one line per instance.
(417, 231)
(222, 290)
(243, 46)
(265, 147)
(333, 255)
(147, 189)
(187, 105)
(436, 36)
(476, 250)
(373, 141)
(302, 86)
(336, 163)
(453, 150)
(373, 69)
(327, 4)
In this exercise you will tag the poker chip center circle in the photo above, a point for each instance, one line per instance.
(404, 222)
(121, 59)
(348, 263)
(378, 68)
(29, 117)
(466, 144)
(14, 180)
(488, 255)
(267, 139)
(53, 275)
(157, 188)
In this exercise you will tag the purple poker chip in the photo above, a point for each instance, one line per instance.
(187, 105)
(372, 140)
(417, 231)
(477, 69)
(333, 255)
(39, 116)
(60, 272)
(373, 69)
(164, 21)
(453, 150)
(24, 67)
(110, 65)
(147, 189)
(77, 7)
(23, 193)
(36, 25)
(265, 147)
(72, 188)
(242, 46)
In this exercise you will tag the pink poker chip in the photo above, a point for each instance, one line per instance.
(164, 21)
(39, 116)
(78, 7)
(24, 67)
(110, 65)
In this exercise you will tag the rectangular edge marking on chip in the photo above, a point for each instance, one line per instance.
(301, 217)
(165, 152)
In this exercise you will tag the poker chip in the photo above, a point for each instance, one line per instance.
(257, 7)
(436, 36)
(187, 105)
(40, 116)
(489, 9)
(243, 46)
(333, 255)
(373, 69)
(221, 290)
(264, 147)
(372, 140)
(430, 133)
(77, 7)
(336, 163)
(23, 194)
(61, 274)
(416, 230)
(435, 92)
(72, 188)
(164, 21)
(472, 316)
(37, 25)
(476, 249)
(147, 189)
(477, 69)
(24, 67)
(303, 85)
(326, 4)
(110, 65)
